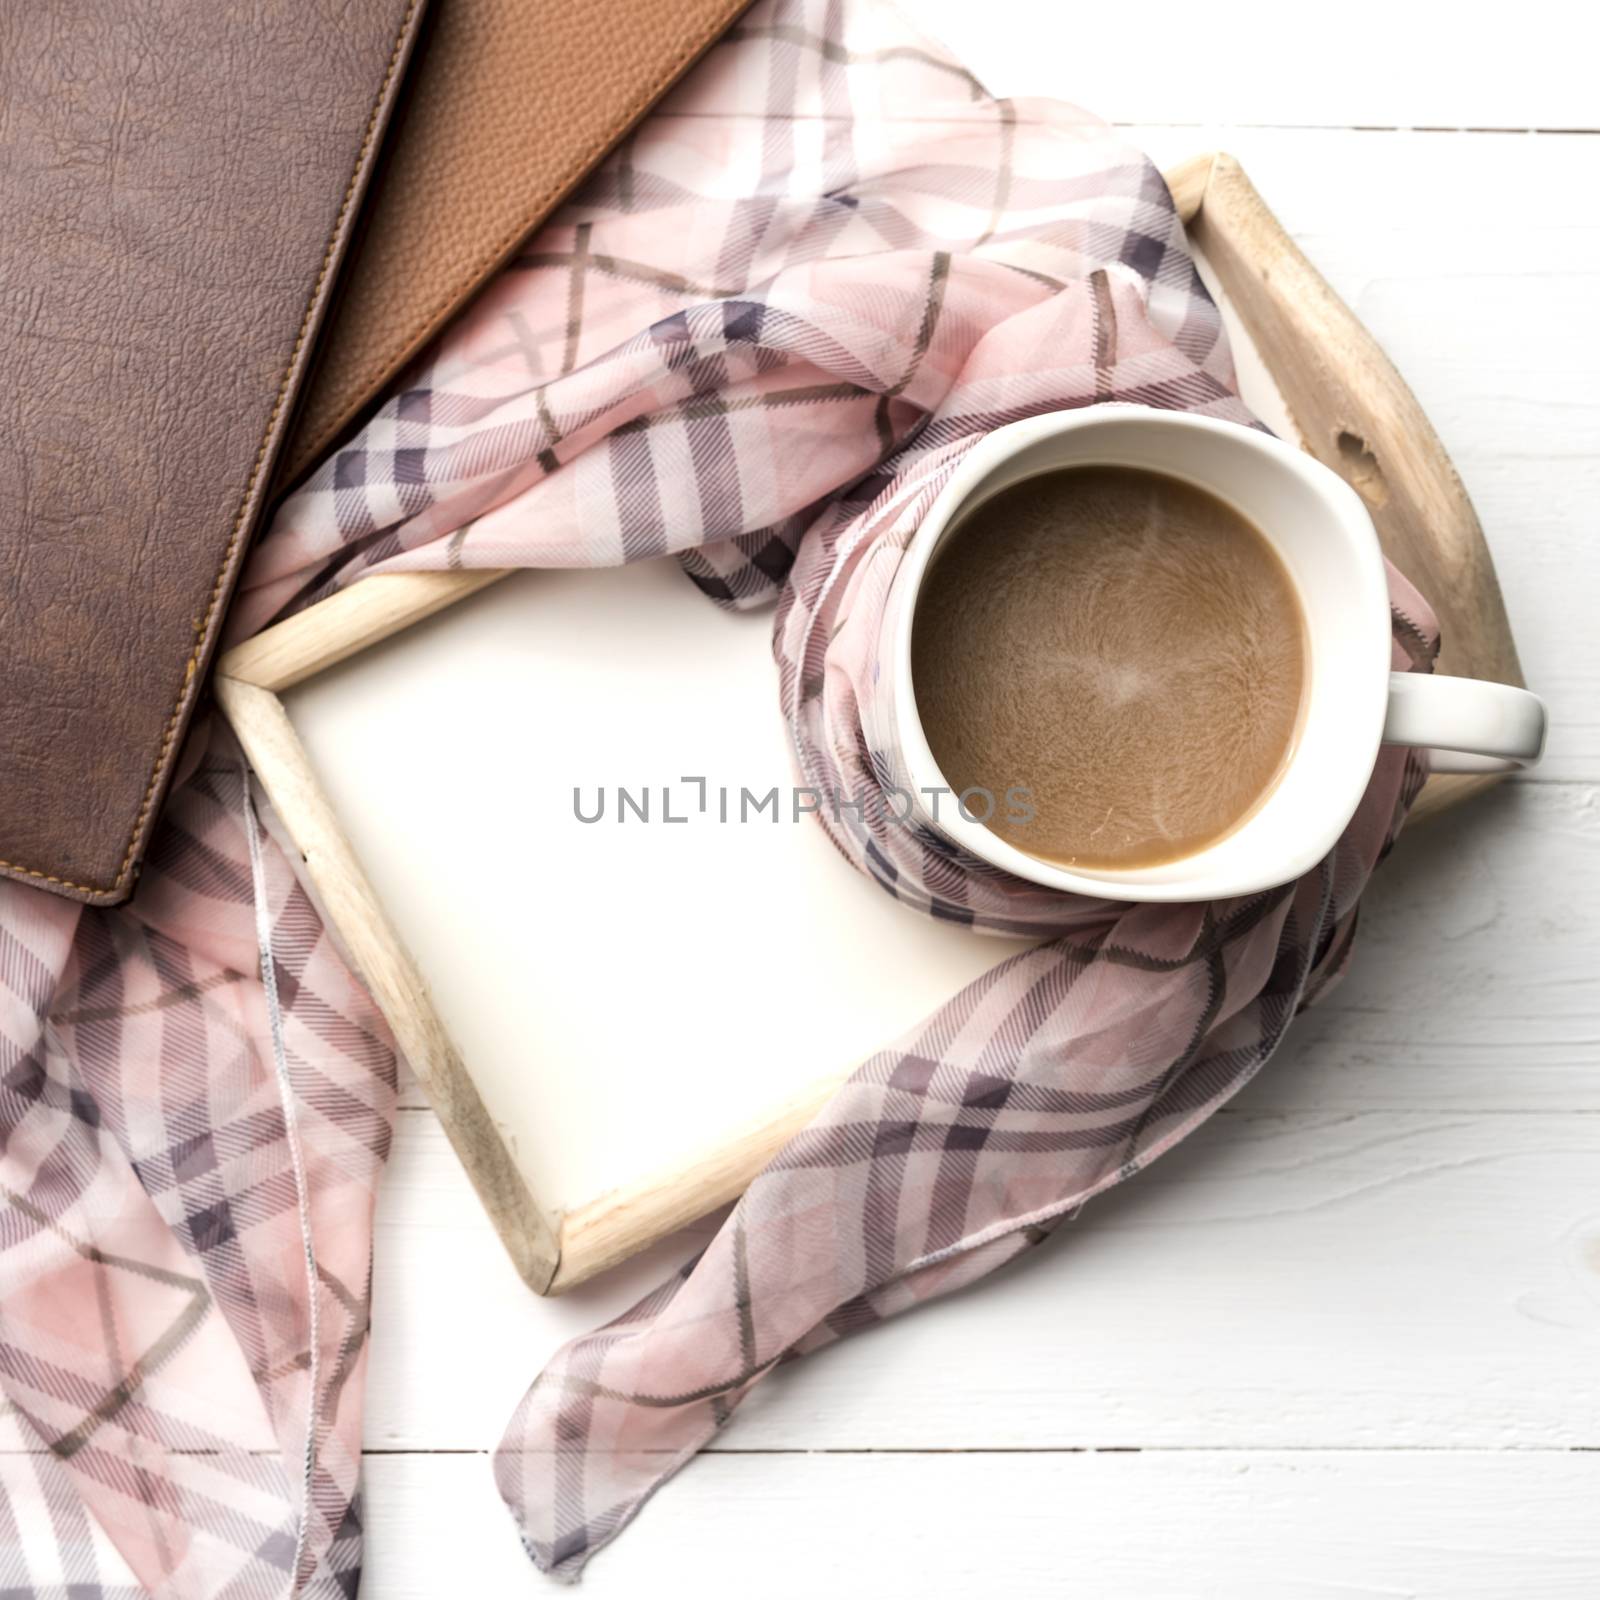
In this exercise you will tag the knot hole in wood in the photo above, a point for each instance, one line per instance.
(1360, 468)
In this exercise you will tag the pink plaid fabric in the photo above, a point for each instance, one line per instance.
(177, 1173)
(759, 341)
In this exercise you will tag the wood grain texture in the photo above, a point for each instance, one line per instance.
(616, 1225)
(345, 624)
(1187, 182)
(349, 906)
(1362, 1525)
(1473, 982)
(1286, 1279)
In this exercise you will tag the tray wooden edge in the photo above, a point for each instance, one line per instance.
(361, 927)
(1353, 411)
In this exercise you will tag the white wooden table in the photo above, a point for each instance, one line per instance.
(1347, 1340)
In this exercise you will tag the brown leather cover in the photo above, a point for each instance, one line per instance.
(179, 185)
(178, 179)
(510, 104)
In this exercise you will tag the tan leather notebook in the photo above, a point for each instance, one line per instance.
(170, 245)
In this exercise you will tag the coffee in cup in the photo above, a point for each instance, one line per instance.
(1123, 646)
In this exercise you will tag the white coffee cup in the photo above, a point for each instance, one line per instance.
(1355, 703)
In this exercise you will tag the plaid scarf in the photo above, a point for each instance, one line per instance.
(759, 340)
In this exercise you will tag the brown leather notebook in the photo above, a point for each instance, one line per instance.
(180, 185)
(177, 184)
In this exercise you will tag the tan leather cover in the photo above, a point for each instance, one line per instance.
(510, 104)
(179, 185)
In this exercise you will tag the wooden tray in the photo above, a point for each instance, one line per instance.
(1320, 376)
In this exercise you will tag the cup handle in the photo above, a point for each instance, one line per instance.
(1467, 724)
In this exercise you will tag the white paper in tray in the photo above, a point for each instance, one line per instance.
(621, 991)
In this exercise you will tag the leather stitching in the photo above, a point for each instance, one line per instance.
(385, 367)
(192, 666)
